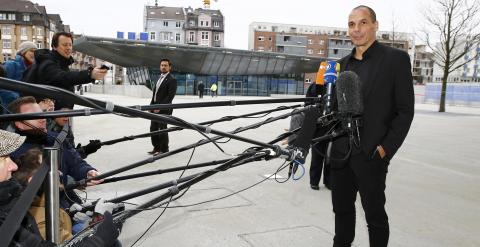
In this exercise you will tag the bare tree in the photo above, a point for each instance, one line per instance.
(451, 33)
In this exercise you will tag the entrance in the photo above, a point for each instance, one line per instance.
(234, 88)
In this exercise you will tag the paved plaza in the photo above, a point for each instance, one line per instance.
(433, 184)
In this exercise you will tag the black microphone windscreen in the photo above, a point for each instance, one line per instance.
(349, 93)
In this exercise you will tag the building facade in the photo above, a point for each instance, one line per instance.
(468, 72)
(177, 25)
(23, 21)
(204, 27)
(330, 43)
(165, 24)
(422, 67)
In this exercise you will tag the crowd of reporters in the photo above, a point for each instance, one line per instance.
(22, 144)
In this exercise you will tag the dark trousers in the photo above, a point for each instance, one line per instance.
(160, 141)
(366, 175)
(318, 164)
(200, 94)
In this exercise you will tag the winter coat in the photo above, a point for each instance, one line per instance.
(72, 164)
(52, 69)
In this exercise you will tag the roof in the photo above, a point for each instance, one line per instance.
(195, 59)
(165, 13)
(22, 6)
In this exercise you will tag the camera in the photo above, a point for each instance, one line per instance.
(105, 67)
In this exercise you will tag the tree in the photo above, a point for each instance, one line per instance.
(455, 23)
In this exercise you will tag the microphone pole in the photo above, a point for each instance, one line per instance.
(171, 129)
(162, 171)
(173, 190)
(151, 159)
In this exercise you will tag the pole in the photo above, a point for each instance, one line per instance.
(52, 201)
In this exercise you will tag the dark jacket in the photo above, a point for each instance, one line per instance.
(28, 234)
(72, 164)
(388, 101)
(52, 69)
(165, 93)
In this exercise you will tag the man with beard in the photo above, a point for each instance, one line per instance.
(163, 93)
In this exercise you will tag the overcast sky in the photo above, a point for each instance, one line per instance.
(105, 17)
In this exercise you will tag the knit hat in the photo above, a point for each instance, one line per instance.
(26, 46)
(9, 142)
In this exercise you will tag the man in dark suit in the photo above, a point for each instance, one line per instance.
(163, 93)
(388, 112)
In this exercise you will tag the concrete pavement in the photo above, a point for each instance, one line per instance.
(433, 188)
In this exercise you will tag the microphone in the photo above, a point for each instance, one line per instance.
(320, 80)
(350, 103)
(330, 77)
(349, 94)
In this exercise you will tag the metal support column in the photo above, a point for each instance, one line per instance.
(52, 202)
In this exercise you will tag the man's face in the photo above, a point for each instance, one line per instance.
(361, 28)
(40, 124)
(164, 67)
(64, 47)
(7, 166)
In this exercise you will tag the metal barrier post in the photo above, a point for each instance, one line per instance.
(52, 201)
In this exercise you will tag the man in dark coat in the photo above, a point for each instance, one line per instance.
(52, 67)
(163, 93)
(201, 88)
(388, 100)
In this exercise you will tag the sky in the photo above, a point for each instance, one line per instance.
(105, 17)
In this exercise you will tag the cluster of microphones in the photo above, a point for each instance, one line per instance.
(341, 103)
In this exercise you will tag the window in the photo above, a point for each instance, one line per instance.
(6, 30)
(23, 31)
(201, 23)
(309, 51)
(204, 35)
(165, 23)
(39, 32)
(206, 23)
(191, 37)
(216, 37)
(261, 38)
(286, 38)
(216, 23)
(7, 44)
(177, 37)
(165, 37)
(335, 51)
(26, 17)
(192, 23)
(310, 42)
(321, 42)
(11, 17)
(270, 38)
(321, 52)
(3, 16)
(152, 36)
(39, 45)
(177, 24)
